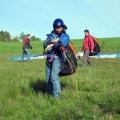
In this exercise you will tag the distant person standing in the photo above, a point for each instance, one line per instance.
(65, 27)
(26, 46)
(88, 46)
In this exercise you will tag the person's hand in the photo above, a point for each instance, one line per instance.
(31, 47)
(49, 46)
(55, 40)
(91, 51)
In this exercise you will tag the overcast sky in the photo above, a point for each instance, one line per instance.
(101, 17)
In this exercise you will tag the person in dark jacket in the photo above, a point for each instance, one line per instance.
(26, 46)
(88, 46)
(65, 27)
(53, 62)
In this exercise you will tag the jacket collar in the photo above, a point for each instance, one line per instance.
(87, 35)
(57, 35)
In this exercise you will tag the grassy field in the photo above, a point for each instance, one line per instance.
(93, 93)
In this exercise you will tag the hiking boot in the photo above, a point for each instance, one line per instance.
(90, 65)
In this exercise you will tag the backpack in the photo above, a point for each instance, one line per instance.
(71, 48)
(96, 49)
(70, 66)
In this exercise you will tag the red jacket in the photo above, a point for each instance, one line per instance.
(88, 43)
(26, 44)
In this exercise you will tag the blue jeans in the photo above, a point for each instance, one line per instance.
(25, 51)
(52, 78)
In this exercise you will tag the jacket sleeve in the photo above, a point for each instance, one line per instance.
(65, 40)
(91, 43)
(55, 44)
(31, 46)
(24, 43)
(47, 42)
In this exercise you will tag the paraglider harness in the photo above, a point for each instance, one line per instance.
(69, 67)
(96, 49)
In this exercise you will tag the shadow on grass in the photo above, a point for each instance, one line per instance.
(40, 86)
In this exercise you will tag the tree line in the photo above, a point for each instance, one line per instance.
(6, 37)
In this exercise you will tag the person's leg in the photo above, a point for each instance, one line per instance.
(89, 61)
(86, 57)
(55, 82)
(48, 79)
(28, 54)
(22, 57)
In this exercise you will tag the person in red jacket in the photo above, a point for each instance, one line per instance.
(88, 46)
(26, 46)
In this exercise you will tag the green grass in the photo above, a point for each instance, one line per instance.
(93, 93)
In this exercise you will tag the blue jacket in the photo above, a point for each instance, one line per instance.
(64, 40)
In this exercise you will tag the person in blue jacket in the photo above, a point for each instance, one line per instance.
(52, 46)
